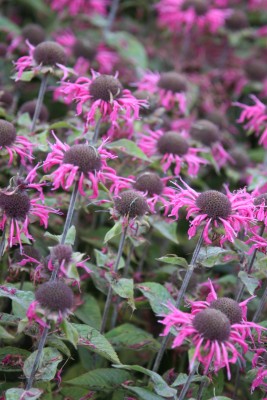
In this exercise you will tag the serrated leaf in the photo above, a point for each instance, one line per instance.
(48, 364)
(124, 288)
(19, 394)
(128, 336)
(59, 345)
(143, 394)
(128, 147)
(157, 295)
(160, 385)
(167, 230)
(70, 237)
(114, 231)
(182, 379)
(211, 256)
(70, 331)
(18, 355)
(101, 379)
(24, 298)
(174, 260)
(250, 282)
(94, 341)
(89, 312)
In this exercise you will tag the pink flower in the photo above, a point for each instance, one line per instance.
(177, 15)
(259, 362)
(231, 212)
(255, 117)
(169, 86)
(173, 149)
(88, 7)
(80, 162)
(104, 94)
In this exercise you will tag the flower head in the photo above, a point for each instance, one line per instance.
(88, 7)
(130, 204)
(231, 212)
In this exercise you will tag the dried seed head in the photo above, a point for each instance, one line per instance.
(6, 98)
(29, 107)
(200, 6)
(237, 20)
(80, 49)
(256, 70)
(172, 143)
(228, 307)
(83, 156)
(215, 204)
(149, 182)
(212, 325)
(106, 88)
(54, 296)
(241, 159)
(262, 198)
(61, 252)
(16, 205)
(28, 251)
(49, 53)
(131, 204)
(7, 133)
(34, 33)
(172, 81)
(205, 132)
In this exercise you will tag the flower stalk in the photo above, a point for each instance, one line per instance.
(39, 103)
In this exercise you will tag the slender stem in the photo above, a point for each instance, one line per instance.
(187, 383)
(261, 305)
(96, 132)
(39, 101)
(242, 288)
(202, 386)
(112, 15)
(37, 358)
(110, 291)
(181, 294)
(3, 241)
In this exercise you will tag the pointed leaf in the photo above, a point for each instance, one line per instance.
(157, 295)
(128, 147)
(167, 230)
(143, 394)
(101, 379)
(19, 394)
(124, 288)
(174, 260)
(48, 364)
(114, 231)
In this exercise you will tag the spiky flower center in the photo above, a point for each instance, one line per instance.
(149, 182)
(80, 49)
(7, 133)
(212, 325)
(106, 88)
(262, 198)
(172, 81)
(83, 156)
(217, 118)
(256, 70)
(200, 6)
(215, 204)
(34, 33)
(237, 20)
(49, 53)
(54, 296)
(131, 204)
(15, 205)
(241, 159)
(205, 132)
(230, 308)
(27, 250)
(61, 252)
(6, 98)
(172, 143)
(29, 107)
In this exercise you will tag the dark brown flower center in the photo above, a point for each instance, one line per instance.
(261, 199)
(131, 204)
(33, 33)
(200, 6)
(212, 325)
(215, 204)
(172, 143)
(241, 159)
(172, 81)
(6, 98)
(106, 88)
(149, 182)
(27, 250)
(80, 49)
(256, 70)
(7, 133)
(29, 107)
(61, 252)
(54, 296)
(205, 132)
(230, 308)
(83, 156)
(16, 205)
(49, 53)
(237, 20)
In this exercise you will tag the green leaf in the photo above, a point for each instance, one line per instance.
(70, 237)
(8, 26)
(124, 288)
(114, 231)
(60, 125)
(37, 6)
(143, 394)
(24, 120)
(4, 334)
(18, 355)
(94, 341)
(18, 394)
(128, 336)
(89, 312)
(250, 282)
(59, 345)
(101, 379)
(211, 256)
(167, 230)
(70, 332)
(174, 260)
(157, 295)
(26, 76)
(160, 385)
(128, 147)
(128, 47)
(48, 364)
(8, 319)
(182, 379)
(22, 297)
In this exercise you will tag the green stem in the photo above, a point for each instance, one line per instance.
(187, 383)
(261, 305)
(39, 103)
